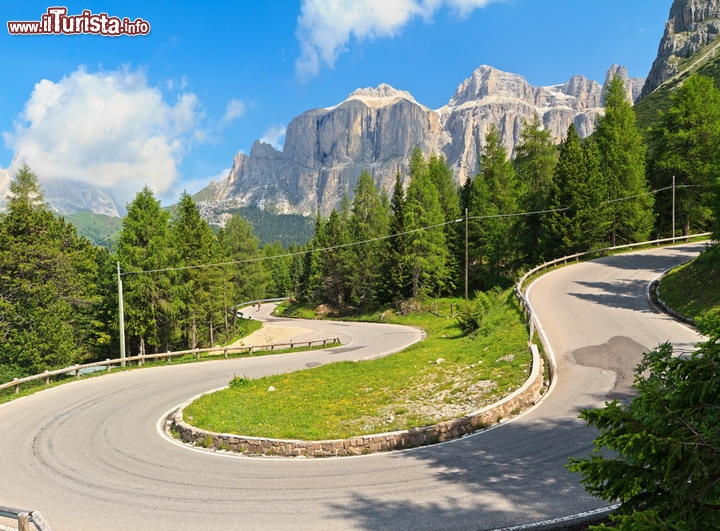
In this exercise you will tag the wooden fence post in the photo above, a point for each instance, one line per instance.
(24, 522)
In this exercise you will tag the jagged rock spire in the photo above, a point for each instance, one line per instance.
(692, 25)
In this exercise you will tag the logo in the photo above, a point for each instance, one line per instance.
(56, 21)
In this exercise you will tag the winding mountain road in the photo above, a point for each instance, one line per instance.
(89, 455)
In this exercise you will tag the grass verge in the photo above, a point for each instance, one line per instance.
(443, 377)
(693, 289)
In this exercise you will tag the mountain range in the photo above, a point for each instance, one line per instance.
(375, 129)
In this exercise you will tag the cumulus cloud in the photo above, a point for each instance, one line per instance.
(109, 129)
(235, 109)
(325, 27)
(274, 135)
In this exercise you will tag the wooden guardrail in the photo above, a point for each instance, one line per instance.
(27, 520)
(75, 370)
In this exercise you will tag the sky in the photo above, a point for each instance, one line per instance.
(198, 82)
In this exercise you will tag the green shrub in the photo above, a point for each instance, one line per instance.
(478, 316)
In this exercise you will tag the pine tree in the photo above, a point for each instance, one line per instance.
(309, 268)
(427, 249)
(494, 193)
(622, 162)
(578, 188)
(368, 221)
(659, 455)
(442, 177)
(685, 144)
(396, 278)
(535, 159)
(334, 263)
(144, 245)
(239, 244)
(279, 270)
(194, 299)
(48, 286)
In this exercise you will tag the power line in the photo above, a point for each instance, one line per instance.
(381, 238)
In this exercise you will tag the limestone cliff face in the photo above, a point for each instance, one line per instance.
(326, 150)
(692, 25)
(376, 129)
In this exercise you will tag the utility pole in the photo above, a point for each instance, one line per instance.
(121, 314)
(673, 210)
(466, 254)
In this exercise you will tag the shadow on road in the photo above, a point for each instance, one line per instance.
(502, 477)
(627, 294)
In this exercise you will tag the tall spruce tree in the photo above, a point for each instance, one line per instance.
(193, 286)
(535, 159)
(396, 277)
(578, 188)
(239, 244)
(685, 144)
(48, 286)
(442, 177)
(334, 262)
(368, 221)
(494, 193)
(427, 249)
(622, 162)
(144, 245)
(279, 269)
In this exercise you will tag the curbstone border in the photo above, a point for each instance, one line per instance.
(528, 395)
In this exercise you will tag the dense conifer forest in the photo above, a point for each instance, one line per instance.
(182, 280)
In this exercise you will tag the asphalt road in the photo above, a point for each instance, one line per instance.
(89, 455)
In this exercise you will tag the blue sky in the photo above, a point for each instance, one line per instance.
(172, 108)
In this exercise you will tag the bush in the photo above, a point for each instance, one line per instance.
(478, 316)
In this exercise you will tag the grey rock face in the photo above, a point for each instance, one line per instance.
(68, 197)
(692, 25)
(376, 130)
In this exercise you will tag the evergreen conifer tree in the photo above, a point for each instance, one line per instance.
(536, 156)
(427, 249)
(685, 144)
(48, 286)
(396, 278)
(622, 162)
(144, 245)
(368, 221)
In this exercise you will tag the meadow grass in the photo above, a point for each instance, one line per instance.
(442, 377)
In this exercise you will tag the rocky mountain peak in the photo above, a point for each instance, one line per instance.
(487, 81)
(381, 95)
(376, 129)
(692, 25)
(633, 85)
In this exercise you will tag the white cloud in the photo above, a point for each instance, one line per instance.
(274, 135)
(235, 109)
(326, 26)
(109, 129)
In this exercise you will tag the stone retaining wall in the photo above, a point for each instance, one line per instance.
(527, 395)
